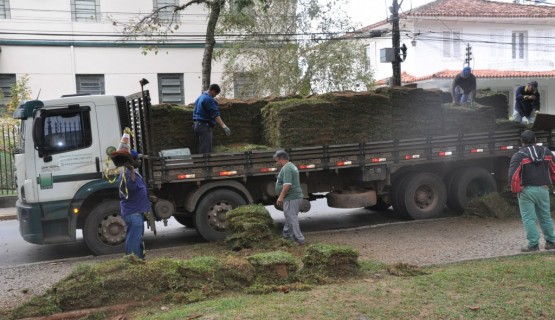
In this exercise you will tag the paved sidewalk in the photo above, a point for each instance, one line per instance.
(8, 214)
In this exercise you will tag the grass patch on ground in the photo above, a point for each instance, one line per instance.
(521, 287)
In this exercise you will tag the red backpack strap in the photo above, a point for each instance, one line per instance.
(549, 159)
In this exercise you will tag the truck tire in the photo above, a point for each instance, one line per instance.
(469, 183)
(351, 198)
(210, 219)
(424, 196)
(398, 197)
(104, 230)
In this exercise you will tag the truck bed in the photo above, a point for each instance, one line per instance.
(393, 154)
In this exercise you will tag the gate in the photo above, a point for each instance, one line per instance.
(8, 144)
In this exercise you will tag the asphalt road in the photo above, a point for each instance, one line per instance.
(14, 250)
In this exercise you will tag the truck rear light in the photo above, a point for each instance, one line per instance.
(445, 153)
(307, 166)
(185, 176)
(506, 148)
(268, 169)
(412, 156)
(374, 160)
(228, 173)
(539, 144)
(344, 163)
(476, 150)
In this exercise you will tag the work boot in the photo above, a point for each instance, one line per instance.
(530, 249)
(549, 245)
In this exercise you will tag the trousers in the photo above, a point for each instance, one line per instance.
(134, 238)
(204, 135)
(291, 228)
(533, 202)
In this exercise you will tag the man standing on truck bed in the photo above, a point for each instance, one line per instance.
(466, 81)
(205, 116)
(288, 187)
(531, 173)
(527, 103)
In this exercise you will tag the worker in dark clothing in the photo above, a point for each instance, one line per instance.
(527, 103)
(465, 82)
(205, 116)
(531, 174)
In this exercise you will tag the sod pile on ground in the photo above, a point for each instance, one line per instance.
(249, 226)
(468, 119)
(415, 112)
(330, 260)
(499, 205)
(276, 267)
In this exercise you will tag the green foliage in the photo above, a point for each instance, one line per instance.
(325, 260)
(249, 226)
(19, 92)
(291, 47)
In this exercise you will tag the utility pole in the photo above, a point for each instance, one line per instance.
(396, 63)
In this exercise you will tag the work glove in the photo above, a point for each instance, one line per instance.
(227, 131)
(524, 120)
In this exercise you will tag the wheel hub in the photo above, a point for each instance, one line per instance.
(112, 230)
(217, 216)
(423, 197)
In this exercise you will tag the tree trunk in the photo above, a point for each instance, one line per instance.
(215, 9)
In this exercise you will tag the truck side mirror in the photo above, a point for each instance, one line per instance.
(38, 135)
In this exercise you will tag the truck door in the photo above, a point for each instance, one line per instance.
(67, 154)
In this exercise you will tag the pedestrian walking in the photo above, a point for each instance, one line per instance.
(290, 198)
(205, 116)
(531, 174)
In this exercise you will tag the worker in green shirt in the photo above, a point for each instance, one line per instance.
(288, 187)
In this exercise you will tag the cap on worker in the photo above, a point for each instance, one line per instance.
(466, 72)
(123, 153)
(534, 84)
(528, 137)
(134, 154)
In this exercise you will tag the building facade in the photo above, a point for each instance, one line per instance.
(508, 45)
(77, 46)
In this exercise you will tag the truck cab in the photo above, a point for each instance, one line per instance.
(64, 150)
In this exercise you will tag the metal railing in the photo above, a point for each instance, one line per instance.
(8, 144)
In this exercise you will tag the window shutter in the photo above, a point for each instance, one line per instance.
(170, 88)
(90, 83)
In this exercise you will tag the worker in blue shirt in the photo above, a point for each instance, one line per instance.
(205, 116)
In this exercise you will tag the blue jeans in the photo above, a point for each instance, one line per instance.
(533, 202)
(134, 238)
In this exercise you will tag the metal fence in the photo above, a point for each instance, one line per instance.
(8, 144)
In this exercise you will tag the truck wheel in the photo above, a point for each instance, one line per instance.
(398, 197)
(187, 221)
(104, 231)
(469, 183)
(424, 196)
(210, 218)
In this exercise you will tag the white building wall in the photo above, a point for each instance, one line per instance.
(53, 66)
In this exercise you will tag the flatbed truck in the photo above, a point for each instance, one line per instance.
(66, 180)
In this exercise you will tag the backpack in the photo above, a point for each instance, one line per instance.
(535, 156)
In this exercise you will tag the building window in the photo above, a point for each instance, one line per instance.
(6, 83)
(90, 83)
(4, 9)
(170, 88)
(452, 44)
(85, 10)
(519, 45)
(243, 86)
(166, 14)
